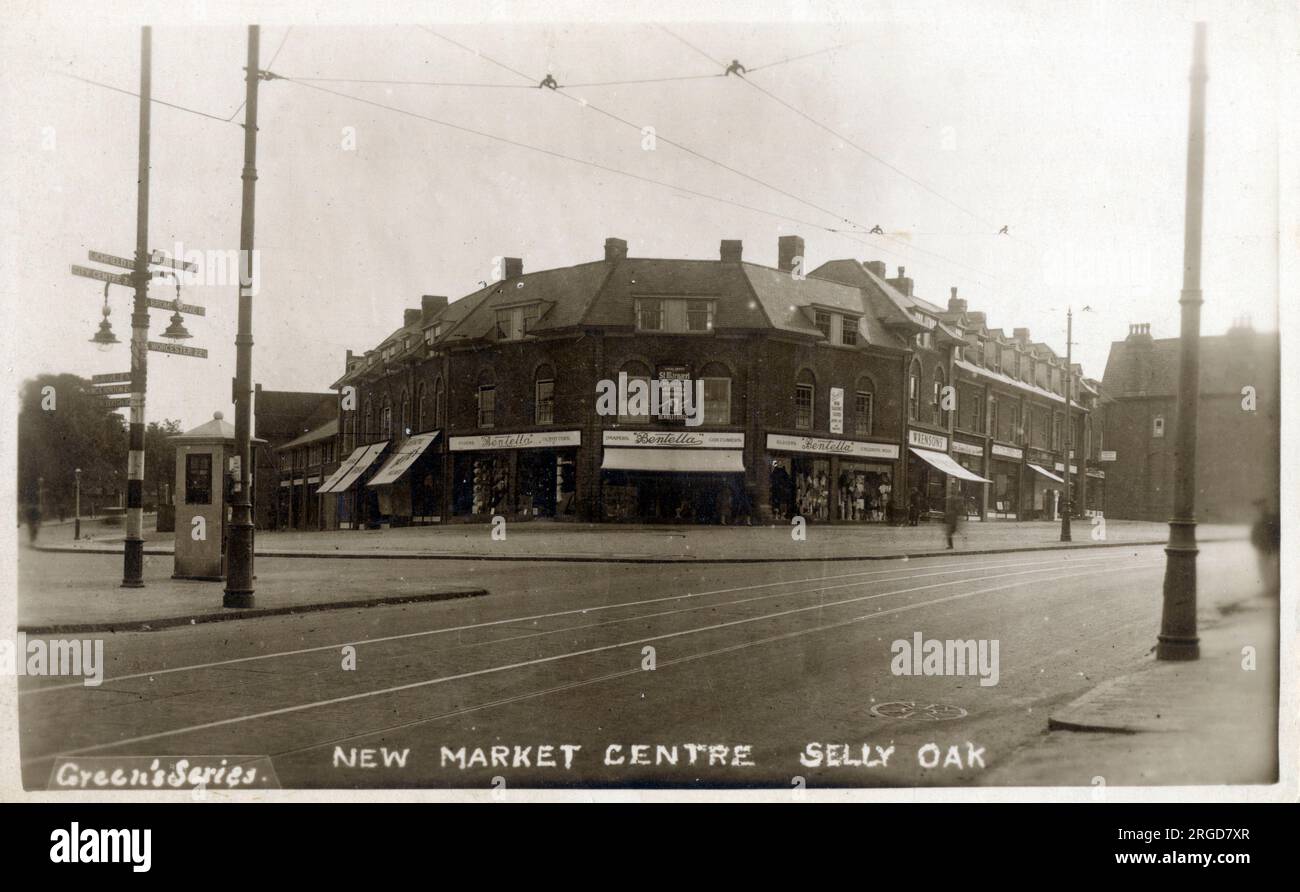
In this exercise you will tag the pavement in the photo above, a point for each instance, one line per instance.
(1214, 720)
(619, 543)
(62, 595)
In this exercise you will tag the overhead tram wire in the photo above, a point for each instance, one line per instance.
(274, 56)
(184, 108)
(572, 158)
(695, 153)
(829, 49)
(992, 226)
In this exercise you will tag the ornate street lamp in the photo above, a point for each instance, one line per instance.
(104, 339)
(176, 331)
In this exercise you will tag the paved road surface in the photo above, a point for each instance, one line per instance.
(771, 657)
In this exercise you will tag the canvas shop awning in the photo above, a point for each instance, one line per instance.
(1046, 473)
(941, 461)
(357, 463)
(400, 461)
(725, 461)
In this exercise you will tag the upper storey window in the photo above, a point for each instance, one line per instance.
(674, 314)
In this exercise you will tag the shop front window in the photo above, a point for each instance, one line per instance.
(864, 492)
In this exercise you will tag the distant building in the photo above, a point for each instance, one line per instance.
(280, 416)
(1238, 424)
(303, 463)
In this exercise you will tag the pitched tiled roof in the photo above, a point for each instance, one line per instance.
(890, 305)
(784, 297)
(284, 414)
(324, 432)
(564, 294)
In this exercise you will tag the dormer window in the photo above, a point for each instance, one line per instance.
(822, 320)
(849, 330)
(432, 333)
(674, 314)
(515, 322)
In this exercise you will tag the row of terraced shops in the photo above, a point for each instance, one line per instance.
(677, 391)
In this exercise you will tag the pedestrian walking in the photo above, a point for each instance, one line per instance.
(33, 522)
(914, 508)
(951, 517)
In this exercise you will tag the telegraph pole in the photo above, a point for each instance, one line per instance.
(1178, 639)
(239, 565)
(133, 551)
(1069, 429)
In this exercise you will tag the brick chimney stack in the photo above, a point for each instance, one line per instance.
(431, 305)
(876, 268)
(789, 250)
(512, 267)
(730, 250)
(902, 282)
(410, 316)
(615, 250)
(956, 304)
(1021, 335)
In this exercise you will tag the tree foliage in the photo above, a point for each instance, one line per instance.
(63, 424)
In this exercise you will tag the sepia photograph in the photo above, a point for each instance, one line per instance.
(548, 401)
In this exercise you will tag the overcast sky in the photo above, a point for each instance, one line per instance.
(1066, 122)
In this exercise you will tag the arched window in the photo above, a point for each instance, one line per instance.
(406, 415)
(937, 411)
(914, 391)
(864, 406)
(438, 400)
(386, 420)
(419, 406)
(544, 395)
(633, 413)
(805, 388)
(717, 393)
(368, 430)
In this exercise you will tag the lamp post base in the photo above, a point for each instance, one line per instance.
(1175, 649)
(133, 564)
(237, 599)
(1178, 639)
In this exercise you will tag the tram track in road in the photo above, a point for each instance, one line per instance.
(1023, 577)
(907, 573)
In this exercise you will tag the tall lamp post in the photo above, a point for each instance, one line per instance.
(1178, 639)
(239, 566)
(76, 508)
(1069, 428)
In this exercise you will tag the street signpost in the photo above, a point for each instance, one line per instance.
(102, 275)
(112, 260)
(178, 349)
(159, 258)
(111, 378)
(114, 388)
(192, 309)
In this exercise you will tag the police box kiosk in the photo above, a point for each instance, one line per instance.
(205, 473)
